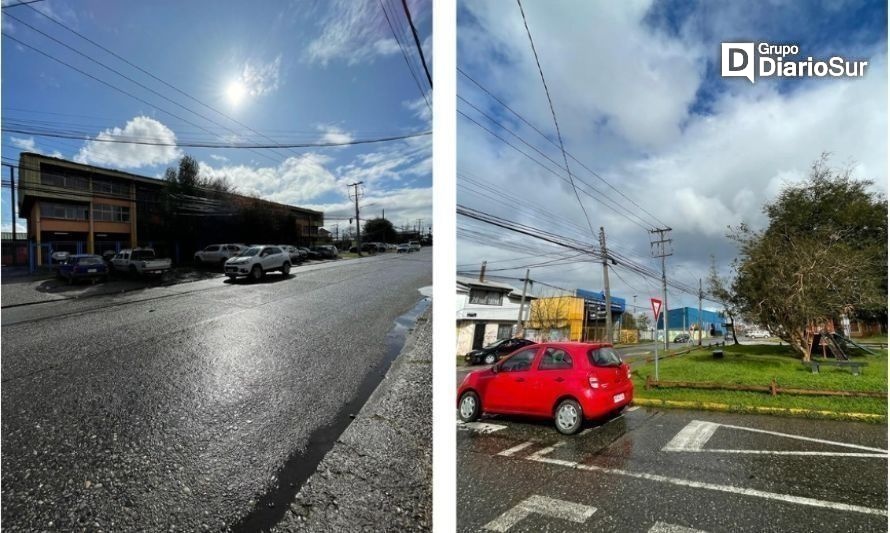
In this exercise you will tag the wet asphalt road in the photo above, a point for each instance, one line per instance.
(173, 408)
(620, 472)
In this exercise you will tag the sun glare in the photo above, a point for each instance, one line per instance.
(235, 92)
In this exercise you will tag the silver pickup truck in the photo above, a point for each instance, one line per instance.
(140, 261)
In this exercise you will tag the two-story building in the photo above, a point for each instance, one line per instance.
(486, 311)
(82, 208)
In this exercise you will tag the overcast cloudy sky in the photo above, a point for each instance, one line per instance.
(637, 91)
(298, 71)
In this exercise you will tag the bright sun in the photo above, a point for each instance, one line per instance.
(235, 92)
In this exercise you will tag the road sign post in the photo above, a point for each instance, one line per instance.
(656, 310)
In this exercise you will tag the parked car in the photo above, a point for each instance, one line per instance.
(683, 337)
(257, 261)
(140, 261)
(325, 251)
(494, 351)
(217, 254)
(108, 255)
(296, 255)
(83, 266)
(403, 249)
(308, 252)
(414, 245)
(759, 334)
(568, 382)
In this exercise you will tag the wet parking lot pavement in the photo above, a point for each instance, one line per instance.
(672, 471)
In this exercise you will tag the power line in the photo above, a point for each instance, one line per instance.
(553, 113)
(22, 3)
(134, 140)
(417, 42)
(404, 55)
(544, 135)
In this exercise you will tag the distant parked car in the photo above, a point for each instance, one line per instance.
(683, 337)
(414, 245)
(325, 251)
(403, 249)
(494, 351)
(567, 382)
(140, 261)
(759, 334)
(108, 255)
(217, 254)
(256, 261)
(296, 255)
(83, 266)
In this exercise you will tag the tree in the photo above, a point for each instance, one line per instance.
(720, 291)
(822, 255)
(548, 313)
(379, 230)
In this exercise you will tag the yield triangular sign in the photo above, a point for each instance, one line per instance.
(656, 306)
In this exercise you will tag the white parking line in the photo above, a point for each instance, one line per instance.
(632, 408)
(515, 449)
(480, 427)
(696, 434)
(561, 509)
(539, 456)
(663, 527)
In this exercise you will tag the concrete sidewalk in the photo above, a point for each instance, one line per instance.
(378, 476)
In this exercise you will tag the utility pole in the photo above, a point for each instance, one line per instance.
(660, 247)
(358, 228)
(605, 255)
(12, 211)
(519, 326)
(700, 296)
(337, 232)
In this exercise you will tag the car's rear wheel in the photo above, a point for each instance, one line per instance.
(256, 273)
(285, 268)
(468, 408)
(490, 359)
(568, 417)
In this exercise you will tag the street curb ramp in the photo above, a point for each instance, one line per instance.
(378, 475)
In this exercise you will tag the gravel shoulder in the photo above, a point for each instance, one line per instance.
(378, 476)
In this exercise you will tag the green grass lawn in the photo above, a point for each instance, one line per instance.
(758, 365)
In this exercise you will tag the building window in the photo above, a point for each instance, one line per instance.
(64, 181)
(505, 331)
(110, 213)
(64, 211)
(486, 297)
(114, 188)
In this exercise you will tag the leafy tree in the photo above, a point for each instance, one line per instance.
(720, 291)
(379, 230)
(823, 254)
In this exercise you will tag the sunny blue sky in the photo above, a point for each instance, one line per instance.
(637, 91)
(297, 71)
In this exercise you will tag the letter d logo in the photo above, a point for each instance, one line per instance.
(737, 60)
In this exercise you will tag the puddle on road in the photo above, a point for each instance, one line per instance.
(272, 506)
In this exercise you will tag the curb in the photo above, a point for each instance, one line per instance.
(795, 412)
(380, 468)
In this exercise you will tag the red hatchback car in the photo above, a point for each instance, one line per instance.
(566, 381)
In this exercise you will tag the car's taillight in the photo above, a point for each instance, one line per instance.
(593, 381)
(628, 371)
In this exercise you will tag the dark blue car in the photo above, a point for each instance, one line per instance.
(83, 266)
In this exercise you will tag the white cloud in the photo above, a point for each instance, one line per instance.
(333, 134)
(125, 155)
(220, 158)
(420, 109)
(261, 78)
(356, 32)
(295, 181)
(27, 144)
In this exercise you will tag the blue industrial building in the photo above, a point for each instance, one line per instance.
(684, 318)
